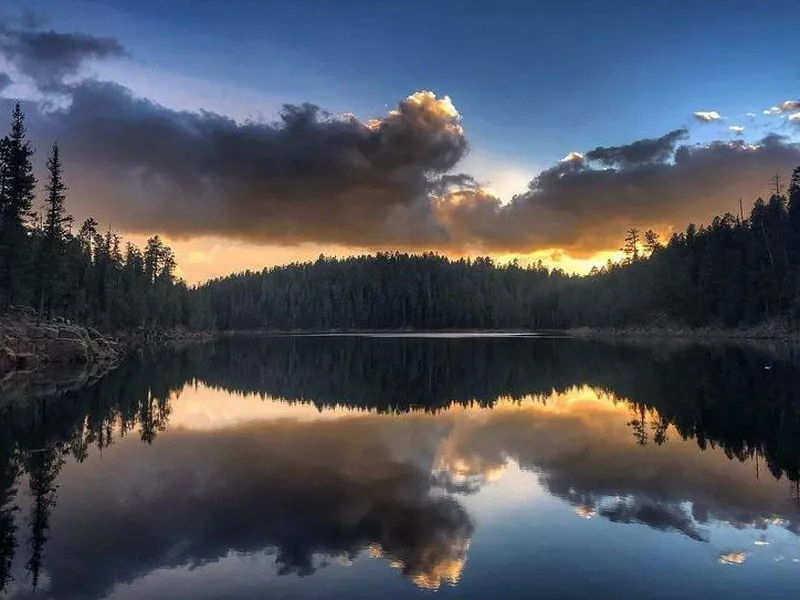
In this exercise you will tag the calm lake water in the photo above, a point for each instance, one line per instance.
(404, 467)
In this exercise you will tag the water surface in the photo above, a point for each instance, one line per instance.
(401, 467)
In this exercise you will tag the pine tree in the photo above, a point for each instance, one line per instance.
(55, 232)
(17, 185)
(794, 200)
(652, 242)
(631, 247)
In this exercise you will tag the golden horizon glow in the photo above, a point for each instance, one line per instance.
(204, 258)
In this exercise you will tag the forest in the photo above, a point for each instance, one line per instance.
(736, 271)
(80, 273)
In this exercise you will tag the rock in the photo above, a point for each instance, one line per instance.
(102, 351)
(8, 360)
(27, 311)
(72, 333)
(29, 346)
(36, 333)
(50, 332)
(27, 361)
(67, 350)
(24, 344)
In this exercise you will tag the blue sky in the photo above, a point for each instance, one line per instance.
(532, 81)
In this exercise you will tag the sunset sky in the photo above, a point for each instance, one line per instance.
(593, 116)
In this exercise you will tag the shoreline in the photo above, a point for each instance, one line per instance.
(774, 332)
(766, 331)
(38, 352)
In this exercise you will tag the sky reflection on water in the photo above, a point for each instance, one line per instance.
(547, 495)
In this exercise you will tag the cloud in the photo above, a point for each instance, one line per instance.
(787, 106)
(5, 81)
(582, 209)
(309, 177)
(795, 118)
(707, 116)
(737, 129)
(573, 157)
(639, 152)
(384, 183)
(790, 105)
(48, 57)
(661, 516)
(306, 492)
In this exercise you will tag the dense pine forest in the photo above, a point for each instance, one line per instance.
(735, 271)
(81, 273)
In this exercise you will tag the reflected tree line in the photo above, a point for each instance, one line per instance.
(745, 401)
(36, 438)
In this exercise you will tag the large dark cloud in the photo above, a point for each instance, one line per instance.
(583, 209)
(384, 183)
(308, 177)
(48, 57)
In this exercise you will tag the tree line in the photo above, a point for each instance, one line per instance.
(738, 270)
(87, 275)
(735, 271)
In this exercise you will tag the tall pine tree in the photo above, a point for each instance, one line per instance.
(17, 185)
(54, 234)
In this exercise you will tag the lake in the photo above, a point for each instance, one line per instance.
(410, 467)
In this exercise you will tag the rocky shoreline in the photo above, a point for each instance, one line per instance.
(54, 351)
(31, 344)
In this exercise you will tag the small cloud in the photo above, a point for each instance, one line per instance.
(49, 57)
(750, 114)
(775, 110)
(790, 105)
(795, 118)
(586, 512)
(707, 116)
(737, 129)
(731, 558)
(573, 157)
